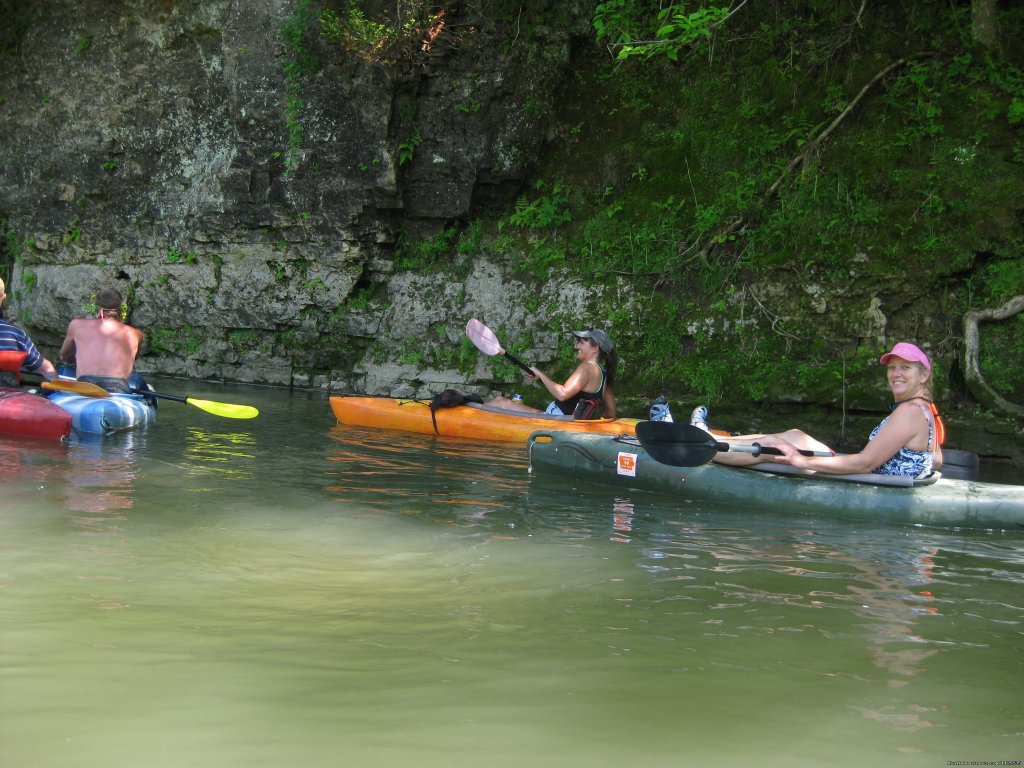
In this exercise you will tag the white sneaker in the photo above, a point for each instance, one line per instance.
(699, 418)
(660, 410)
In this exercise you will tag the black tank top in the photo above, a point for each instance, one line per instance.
(585, 405)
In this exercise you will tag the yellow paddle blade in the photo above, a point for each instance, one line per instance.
(78, 387)
(227, 410)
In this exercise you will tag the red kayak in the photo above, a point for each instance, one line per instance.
(24, 414)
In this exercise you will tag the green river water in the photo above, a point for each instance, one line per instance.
(286, 591)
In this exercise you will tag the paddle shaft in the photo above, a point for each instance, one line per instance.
(757, 449)
(518, 362)
(150, 393)
(683, 445)
(88, 389)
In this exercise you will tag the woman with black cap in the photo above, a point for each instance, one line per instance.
(587, 393)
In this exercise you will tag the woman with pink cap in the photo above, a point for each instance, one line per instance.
(587, 393)
(906, 442)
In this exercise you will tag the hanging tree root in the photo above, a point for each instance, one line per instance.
(738, 222)
(972, 372)
(813, 145)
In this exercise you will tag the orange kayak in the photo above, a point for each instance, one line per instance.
(481, 422)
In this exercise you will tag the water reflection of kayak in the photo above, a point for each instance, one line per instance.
(25, 414)
(106, 415)
(481, 422)
(934, 501)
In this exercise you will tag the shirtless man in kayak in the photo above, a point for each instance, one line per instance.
(103, 348)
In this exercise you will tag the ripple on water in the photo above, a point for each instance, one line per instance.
(283, 591)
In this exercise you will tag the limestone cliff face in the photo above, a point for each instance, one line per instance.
(284, 205)
(170, 150)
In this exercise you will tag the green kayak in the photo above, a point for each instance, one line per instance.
(620, 460)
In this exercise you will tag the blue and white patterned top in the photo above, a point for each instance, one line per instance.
(908, 463)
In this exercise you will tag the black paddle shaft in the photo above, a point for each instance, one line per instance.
(518, 362)
(683, 445)
(151, 393)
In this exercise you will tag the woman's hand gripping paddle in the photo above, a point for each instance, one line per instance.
(483, 338)
(682, 445)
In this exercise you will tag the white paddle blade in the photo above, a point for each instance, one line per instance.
(483, 338)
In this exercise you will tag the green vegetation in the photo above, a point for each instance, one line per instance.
(158, 281)
(839, 152)
(183, 342)
(412, 353)
(280, 270)
(715, 177)
(29, 281)
(744, 190)
(350, 27)
(359, 300)
(407, 148)
(365, 167)
(405, 31)
(470, 239)
(1001, 356)
(345, 24)
(297, 68)
(425, 255)
(15, 18)
(544, 211)
(625, 26)
(175, 256)
(11, 247)
(73, 233)
(244, 339)
(461, 357)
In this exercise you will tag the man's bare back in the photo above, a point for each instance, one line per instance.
(101, 346)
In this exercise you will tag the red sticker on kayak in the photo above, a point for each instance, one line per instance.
(627, 464)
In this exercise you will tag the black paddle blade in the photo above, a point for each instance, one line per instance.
(678, 445)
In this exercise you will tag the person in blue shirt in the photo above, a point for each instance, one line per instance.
(17, 352)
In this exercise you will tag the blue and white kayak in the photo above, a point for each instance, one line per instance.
(106, 415)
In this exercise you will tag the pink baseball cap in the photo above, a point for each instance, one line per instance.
(907, 351)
